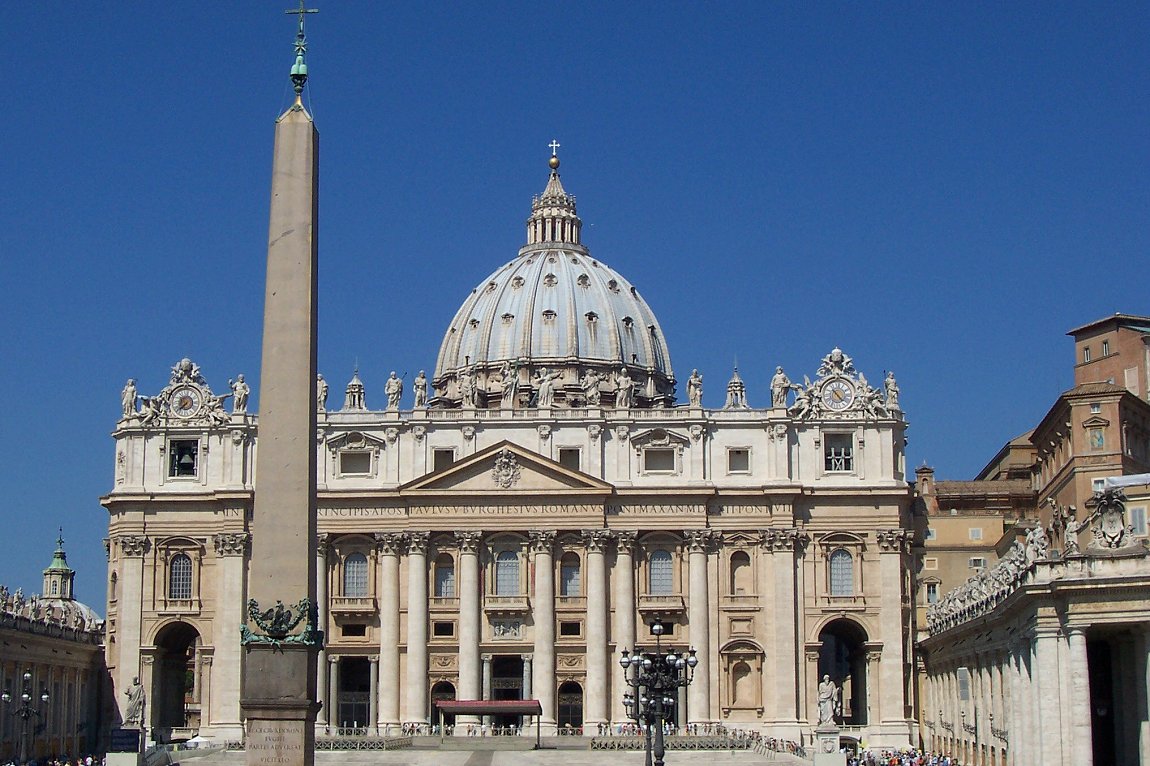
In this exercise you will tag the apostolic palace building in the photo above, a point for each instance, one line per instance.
(505, 527)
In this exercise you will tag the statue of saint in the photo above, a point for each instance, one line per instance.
(135, 710)
(545, 382)
(466, 388)
(128, 398)
(320, 393)
(829, 703)
(624, 389)
(695, 389)
(510, 384)
(891, 387)
(394, 389)
(780, 385)
(590, 386)
(420, 386)
(240, 392)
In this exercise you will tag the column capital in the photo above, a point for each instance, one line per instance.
(893, 540)
(625, 541)
(596, 540)
(542, 541)
(785, 539)
(232, 543)
(1073, 631)
(417, 543)
(134, 546)
(390, 543)
(373, 659)
(700, 540)
(322, 544)
(333, 659)
(468, 541)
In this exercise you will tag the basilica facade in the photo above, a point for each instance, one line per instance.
(504, 528)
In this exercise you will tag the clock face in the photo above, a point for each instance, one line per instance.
(838, 395)
(185, 402)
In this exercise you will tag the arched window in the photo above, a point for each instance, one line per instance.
(507, 574)
(842, 574)
(570, 582)
(445, 576)
(180, 577)
(355, 576)
(661, 576)
(741, 574)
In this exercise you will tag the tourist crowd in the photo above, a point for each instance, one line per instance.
(900, 758)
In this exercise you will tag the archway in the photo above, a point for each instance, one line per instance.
(174, 692)
(354, 703)
(842, 656)
(442, 690)
(570, 710)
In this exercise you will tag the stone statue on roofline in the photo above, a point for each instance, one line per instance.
(695, 389)
(128, 398)
(393, 388)
(419, 385)
(624, 389)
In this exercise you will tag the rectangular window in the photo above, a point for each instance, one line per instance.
(964, 684)
(570, 629)
(1095, 408)
(1085, 354)
(977, 562)
(659, 460)
(931, 533)
(1138, 519)
(183, 457)
(354, 462)
(442, 458)
(932, 593)
(739, 460)
(1105, 348)
(1097, 485)
(355, 629)
(975, 533)
(443, 629)
(569, 458)
(839, 452)
(930, 562)
(569, 579)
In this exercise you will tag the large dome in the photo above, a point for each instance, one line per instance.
(553, 311)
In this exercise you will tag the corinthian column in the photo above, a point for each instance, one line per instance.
(699, 623)
(231, 550)
(321, 544)
(469, 619)
(624, 607)
(1081, 740)
(390, 545)
(416, 628)
(543, 668)
(595, 700)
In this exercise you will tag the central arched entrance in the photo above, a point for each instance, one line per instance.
(442, 691)
(569, 715)
(842, 656)
(175, 714)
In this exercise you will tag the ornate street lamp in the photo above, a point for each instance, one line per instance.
(25, 711)
(654, 683)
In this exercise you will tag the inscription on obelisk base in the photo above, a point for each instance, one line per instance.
(280, 721)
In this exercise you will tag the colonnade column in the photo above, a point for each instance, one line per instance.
(486, 688)
(373, 699)
(1081, 741)
(416, 628)
(543, 668)
(595, 695)
(624, 608)
(469, 619)
(527, 689)
(699, 623)
(1049, 698)
(390, 545)
(223, 700)
(321, 546)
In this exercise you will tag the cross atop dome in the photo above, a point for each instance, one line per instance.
(553, 217)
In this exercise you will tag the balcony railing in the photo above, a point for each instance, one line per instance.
(739, 600)
(506, 604)
(352, 604)
(668, 604)
(444, 603)
(571, 602)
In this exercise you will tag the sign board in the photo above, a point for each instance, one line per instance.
(125, 741)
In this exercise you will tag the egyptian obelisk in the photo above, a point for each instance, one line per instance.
(281, 640)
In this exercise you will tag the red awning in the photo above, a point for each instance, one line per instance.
(490, 707)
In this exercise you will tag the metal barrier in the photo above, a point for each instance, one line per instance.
(673, 742)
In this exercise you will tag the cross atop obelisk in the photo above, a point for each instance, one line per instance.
(299, 69)
(281, 640)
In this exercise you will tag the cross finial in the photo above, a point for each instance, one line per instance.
(554, 147)
(299, 69)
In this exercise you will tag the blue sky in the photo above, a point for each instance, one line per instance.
(941, 189)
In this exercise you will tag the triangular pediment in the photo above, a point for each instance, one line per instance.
(506, 468)
(1095, 421)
